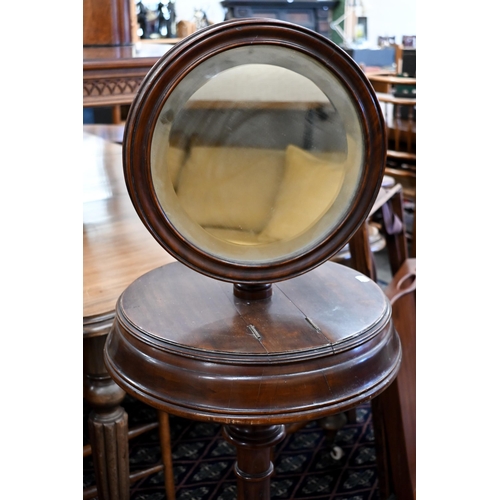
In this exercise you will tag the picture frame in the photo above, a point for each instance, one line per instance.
(409, 42)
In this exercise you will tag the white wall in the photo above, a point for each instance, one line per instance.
(390, 18)
(185, 8)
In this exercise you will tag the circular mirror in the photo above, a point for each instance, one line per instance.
(254, 150)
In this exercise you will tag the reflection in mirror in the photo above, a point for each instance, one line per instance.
(256, 154)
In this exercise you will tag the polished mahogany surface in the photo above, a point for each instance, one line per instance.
(117, 248)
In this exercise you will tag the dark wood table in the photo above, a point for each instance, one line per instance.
(117, 249)
(112, 75)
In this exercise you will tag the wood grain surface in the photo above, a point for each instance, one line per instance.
(117, 247)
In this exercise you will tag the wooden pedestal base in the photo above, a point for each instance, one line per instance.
(253, 466)
(319, 344)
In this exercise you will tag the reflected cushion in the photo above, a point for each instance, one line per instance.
(230, 187)
(165, 167)
(309, 188)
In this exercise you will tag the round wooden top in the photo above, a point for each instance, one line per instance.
(304, 317)
(184, 343)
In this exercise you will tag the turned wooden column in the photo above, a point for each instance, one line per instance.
(108, 421)
(362, 256)
(253, 465)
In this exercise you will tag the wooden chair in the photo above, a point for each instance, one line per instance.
(389, 205)
(394, 411)
(398, 102)
(405, 60)
(400, 113)
(370, 238)
(399, 107)
(398, 58)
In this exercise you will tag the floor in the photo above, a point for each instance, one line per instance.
(309, 464)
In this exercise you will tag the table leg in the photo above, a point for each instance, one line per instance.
(361, 253)
(108, 424)
(166, 453)
(253, 464)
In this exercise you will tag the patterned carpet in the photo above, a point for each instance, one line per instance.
(305, 467)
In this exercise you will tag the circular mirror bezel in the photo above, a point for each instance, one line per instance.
(168, 73)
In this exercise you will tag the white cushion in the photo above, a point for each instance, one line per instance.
(165, 168)
(230, 187)
(309, 188)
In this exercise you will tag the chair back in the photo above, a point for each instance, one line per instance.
(399, 104)
(400, 115)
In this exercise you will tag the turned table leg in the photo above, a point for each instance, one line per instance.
(253, 463)
(108, 424)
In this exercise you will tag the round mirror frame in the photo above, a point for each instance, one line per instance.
(169, 71)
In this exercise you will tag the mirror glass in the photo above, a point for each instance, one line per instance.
(257, 154)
